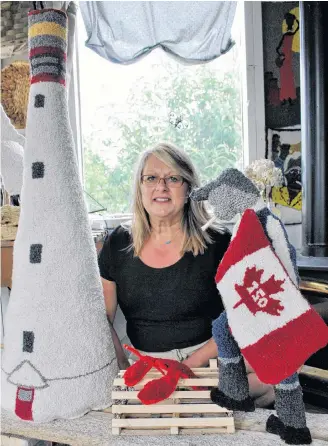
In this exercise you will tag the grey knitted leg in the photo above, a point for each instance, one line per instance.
(290, 423)
(233, 378)
(232, 391)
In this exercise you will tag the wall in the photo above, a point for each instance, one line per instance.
(281, 61)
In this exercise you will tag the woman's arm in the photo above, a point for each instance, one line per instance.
(201, 357)
(110, 296)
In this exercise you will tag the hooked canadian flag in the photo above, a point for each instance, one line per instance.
(273, 324)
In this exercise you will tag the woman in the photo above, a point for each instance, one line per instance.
(161, 271)
(284, 61)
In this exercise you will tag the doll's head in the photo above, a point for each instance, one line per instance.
(231, 193)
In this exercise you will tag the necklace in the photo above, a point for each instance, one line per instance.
(168, 242)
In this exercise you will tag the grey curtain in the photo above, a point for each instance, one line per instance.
(124, 31)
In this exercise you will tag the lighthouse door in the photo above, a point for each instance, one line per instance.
(24, 400)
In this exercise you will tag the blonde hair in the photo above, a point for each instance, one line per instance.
(195, 214)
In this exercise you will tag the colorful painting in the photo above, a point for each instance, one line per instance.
(284, 148)
(281, 45)
(284, 60)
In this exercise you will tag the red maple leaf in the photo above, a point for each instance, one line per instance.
(256, 295)
(252, 275)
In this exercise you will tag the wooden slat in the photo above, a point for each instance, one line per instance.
(206, 382)
(204, 374)
(175, 430)
(121, 395)
(213, 363)
(140, 419)
(231, 429)
(169, 408)
(197, 371)
(182, 431)
(171, 422)
(315, 372)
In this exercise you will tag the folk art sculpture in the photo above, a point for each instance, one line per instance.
(267, 321)
(58, 359)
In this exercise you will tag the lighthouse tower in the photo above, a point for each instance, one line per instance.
(58, 359)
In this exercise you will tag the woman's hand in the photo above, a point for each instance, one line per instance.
(193, 362)
(122, 360)
(201, 357)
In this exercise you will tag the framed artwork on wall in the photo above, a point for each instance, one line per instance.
(284, 149)
(281, 47)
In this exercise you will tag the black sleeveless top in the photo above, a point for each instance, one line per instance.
(165, 308)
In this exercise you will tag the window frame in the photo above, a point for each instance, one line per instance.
(253, 107)
(253, 84)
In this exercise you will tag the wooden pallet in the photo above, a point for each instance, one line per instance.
(185, 412)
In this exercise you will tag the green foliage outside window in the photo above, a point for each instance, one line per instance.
(211, 133)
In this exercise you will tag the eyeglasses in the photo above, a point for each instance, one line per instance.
(170, 181)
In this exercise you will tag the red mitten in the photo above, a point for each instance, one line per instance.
(139, 369)
(184, 371)
(159, 389)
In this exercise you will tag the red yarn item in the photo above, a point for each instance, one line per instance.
(161, 388)
(139, 369)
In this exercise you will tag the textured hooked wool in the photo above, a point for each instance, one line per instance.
(59, 359)
(274, 326)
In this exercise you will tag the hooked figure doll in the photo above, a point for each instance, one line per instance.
(267, 321)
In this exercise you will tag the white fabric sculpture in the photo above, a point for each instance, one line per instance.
(8, 131)
(12, 153)
(59, 359)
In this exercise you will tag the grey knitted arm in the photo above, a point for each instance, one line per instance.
(202, 193)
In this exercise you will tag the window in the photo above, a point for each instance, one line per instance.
(126, 109)
(25, 394)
